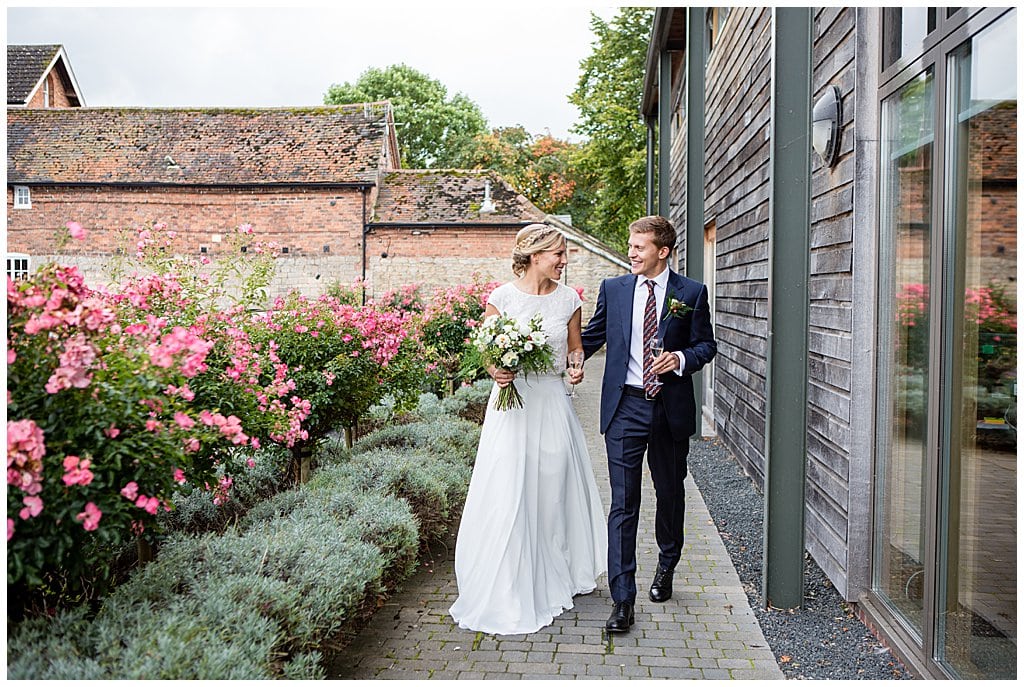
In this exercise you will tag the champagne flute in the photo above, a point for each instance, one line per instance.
(575, 363)
(657, 348)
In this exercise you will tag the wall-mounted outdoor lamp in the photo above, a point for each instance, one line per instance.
(827, 117)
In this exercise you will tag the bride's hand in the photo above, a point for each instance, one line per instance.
(575, 376)
(501, 376)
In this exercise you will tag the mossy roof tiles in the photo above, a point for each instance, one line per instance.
(418, 196)
(25, 67)
(328, 144)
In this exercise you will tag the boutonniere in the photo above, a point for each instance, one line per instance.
(675, 308)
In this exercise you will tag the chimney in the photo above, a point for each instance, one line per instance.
(487, 207)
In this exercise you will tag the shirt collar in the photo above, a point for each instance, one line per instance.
(661, 281)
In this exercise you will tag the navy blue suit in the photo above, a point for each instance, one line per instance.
(633, 426)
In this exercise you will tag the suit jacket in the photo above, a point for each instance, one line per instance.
(691, 334)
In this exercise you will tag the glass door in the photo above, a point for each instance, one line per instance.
(902, 468)
(944, 546)
(977, 609)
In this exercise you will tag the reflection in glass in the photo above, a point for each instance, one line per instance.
(904, 30)
(977, 624)
(908, 141)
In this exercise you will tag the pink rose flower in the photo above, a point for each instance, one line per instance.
(183, 420)
(76, 471)
(90, 517)
(130, 491)
(33, 507)
(76, 230)
(148, 504)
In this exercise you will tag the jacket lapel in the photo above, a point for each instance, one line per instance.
(673, 289)
(628, 286)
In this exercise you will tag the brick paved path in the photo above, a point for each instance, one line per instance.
(706, 631)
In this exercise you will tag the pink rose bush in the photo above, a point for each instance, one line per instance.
(88, 412)
(446, 325)
(120, 396)
(341, 359)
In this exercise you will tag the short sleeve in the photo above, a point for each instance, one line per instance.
(499, 298)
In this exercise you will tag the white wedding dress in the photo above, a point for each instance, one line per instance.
(533, 530)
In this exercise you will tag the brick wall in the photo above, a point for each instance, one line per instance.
(305, 221)
(58, 94)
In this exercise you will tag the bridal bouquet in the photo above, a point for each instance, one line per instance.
(514, 346)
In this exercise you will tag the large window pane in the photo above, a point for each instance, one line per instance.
(901, 480)
(905, 29)
(977, 628)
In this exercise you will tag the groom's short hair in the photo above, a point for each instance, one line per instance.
(664, 232)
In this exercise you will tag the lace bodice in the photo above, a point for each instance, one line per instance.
(556, 308)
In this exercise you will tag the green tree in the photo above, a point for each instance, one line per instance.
(432, 127)
(539, 167)
(611, 165)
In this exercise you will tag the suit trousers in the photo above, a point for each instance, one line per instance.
(640, 426)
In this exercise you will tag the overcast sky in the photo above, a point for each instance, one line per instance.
(518, 61)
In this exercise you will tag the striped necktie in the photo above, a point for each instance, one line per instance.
(651, 383)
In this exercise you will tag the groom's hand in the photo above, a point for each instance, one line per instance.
(666, 362)
(575, 376)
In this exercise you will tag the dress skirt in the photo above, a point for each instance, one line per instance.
(533, 532)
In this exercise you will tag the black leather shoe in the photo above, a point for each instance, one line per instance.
(661, 588)
(621, 617)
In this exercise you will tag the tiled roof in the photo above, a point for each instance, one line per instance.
(25, 67)
(328, 144)
(418, 196)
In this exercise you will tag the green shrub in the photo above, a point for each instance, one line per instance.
(432, 487)
(362, 515)
(52, 648)
(449, 438)
(194, 510)
(292, 573)
(331, 451)
(305, 666)
(469, 402)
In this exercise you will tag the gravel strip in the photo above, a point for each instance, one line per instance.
(823, 640)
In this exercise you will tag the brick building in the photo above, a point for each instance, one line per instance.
(40, 76)
(322, 182)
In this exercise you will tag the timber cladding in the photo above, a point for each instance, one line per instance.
(737, 173)
(830, 313)
(736, 167)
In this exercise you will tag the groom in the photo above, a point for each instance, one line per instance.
(647, 402)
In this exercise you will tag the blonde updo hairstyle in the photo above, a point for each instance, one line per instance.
(533, 238)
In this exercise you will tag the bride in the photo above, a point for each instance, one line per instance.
(533, 533)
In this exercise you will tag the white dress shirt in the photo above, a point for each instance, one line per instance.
(635, 369)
